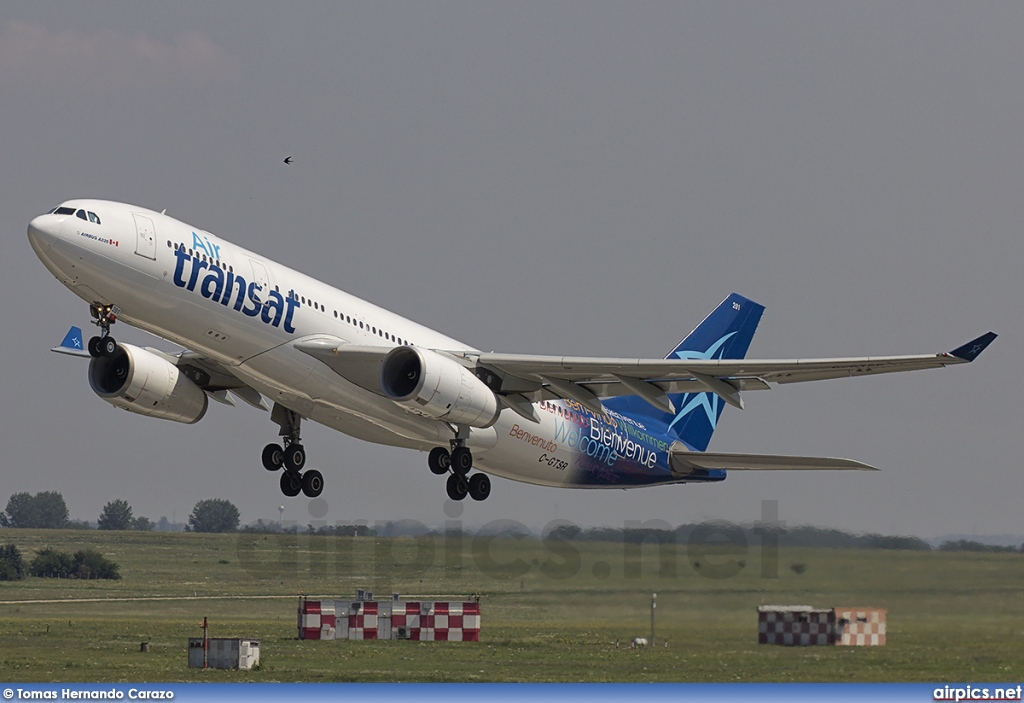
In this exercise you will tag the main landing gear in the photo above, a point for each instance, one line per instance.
(103, 317)
(459, 461)
(291, 457)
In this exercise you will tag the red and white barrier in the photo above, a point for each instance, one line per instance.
(310, 622)
(861, 626)
(424, 621)
(802, 625)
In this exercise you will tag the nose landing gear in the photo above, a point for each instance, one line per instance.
(103, 317)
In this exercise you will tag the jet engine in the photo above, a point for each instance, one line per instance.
(140, 381)
(435, 386)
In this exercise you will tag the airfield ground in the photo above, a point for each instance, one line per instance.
(551, 612)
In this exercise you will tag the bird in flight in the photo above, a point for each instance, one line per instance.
(288, 161)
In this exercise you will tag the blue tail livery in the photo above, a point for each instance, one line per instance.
(724, 334)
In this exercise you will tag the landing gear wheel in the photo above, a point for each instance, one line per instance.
(312, 483)
(479, 486)
(457, 487)
(94, 348)
(439, 460)
(273, 457)
(108, 346)
(291, 484)
(294, 457)
(462, 460)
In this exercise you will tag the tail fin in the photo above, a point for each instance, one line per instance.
(724, 334)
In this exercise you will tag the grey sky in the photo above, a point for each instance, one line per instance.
(572, 177)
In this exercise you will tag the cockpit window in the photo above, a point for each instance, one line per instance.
(87, 215)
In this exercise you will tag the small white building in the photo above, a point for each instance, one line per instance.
(223, 653)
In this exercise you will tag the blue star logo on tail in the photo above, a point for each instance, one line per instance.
(709, 401)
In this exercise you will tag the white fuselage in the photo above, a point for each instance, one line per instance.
(129, 259)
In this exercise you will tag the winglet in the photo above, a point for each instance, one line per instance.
(72, 344)
(971, 350)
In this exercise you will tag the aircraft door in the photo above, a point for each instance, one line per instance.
(259, 274)
(146, 242)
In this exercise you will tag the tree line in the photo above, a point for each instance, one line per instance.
(48, 510)
(50, 563)
(801, 536)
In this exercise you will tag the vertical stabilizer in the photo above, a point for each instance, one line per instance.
(724, 334)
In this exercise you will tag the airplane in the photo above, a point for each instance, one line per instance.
(255, 330)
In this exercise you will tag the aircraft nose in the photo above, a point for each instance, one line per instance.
(44, 230)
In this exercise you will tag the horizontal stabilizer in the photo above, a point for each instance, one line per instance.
(73, 344)
(685, 462)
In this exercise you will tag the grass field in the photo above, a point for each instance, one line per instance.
(551, 611)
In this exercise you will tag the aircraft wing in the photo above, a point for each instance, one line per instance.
(215, 379)
(522, 379)
(585, 378)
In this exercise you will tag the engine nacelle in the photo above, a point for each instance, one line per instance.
(435, 386)
(143, 382)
